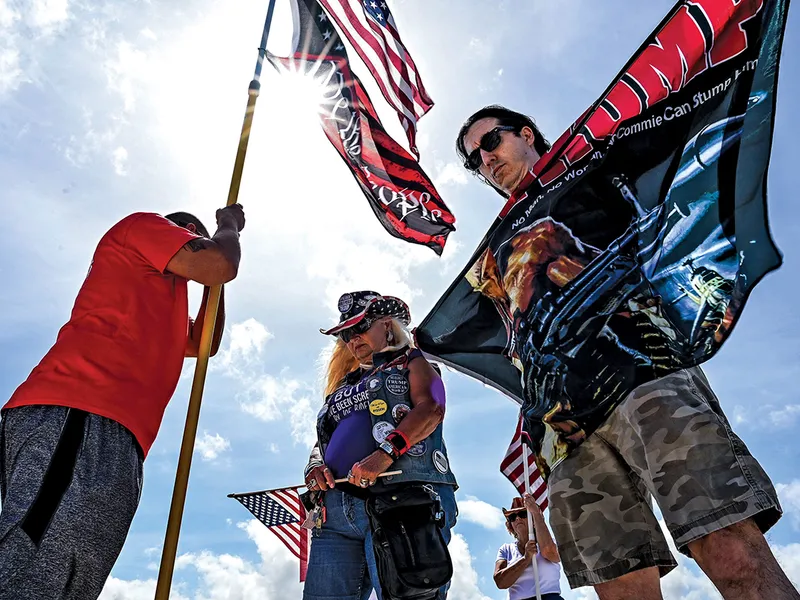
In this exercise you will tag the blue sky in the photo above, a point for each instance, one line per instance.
(108, 108)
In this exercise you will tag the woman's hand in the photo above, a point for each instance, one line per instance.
(530, 550)
(530, 504)
(365, 472)
(319, 478)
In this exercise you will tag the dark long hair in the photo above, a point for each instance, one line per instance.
(506, 118)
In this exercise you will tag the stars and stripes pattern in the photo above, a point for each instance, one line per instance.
(400, 193)
(371, 29)
(513, 468)
(283, 513)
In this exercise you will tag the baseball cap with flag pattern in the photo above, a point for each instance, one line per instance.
(354, 307)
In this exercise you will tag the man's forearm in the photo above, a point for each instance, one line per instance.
(226, 239)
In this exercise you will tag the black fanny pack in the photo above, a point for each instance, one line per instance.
(411, 554)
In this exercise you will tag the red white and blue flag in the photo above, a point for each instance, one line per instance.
(283, 513)
(513, 467)
(370, 27)
(398, 190)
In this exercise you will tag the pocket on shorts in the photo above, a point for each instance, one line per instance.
(57, 478)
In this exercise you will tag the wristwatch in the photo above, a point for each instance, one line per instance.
(389, 449)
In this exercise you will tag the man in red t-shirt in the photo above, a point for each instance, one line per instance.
(74, 435)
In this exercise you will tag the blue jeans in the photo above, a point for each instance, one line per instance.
(341, 563)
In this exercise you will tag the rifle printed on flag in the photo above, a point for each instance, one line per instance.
(283, 513)
(656, 199)
(398, 190)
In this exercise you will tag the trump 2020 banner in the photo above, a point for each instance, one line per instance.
(630, 249)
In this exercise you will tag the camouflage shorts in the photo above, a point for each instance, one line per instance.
(670, 441)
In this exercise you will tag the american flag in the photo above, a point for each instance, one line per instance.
(398, 190)
(513, 468)
(283, 513)
(371, 29)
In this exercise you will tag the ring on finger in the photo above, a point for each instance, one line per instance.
(312, 483)
(364, 482)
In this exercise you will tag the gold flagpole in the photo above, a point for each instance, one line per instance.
(170, 550)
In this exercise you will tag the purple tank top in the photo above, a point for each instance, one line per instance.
(352, 439)
(348, 408)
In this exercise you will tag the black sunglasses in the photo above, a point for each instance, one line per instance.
(359, 328)
(489, 143)
(514, 516)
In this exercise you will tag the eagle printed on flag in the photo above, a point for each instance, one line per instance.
(630, 249)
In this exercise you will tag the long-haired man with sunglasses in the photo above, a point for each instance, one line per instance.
(607, 451)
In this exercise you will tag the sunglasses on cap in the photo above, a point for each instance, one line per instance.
(359, 328)
(518, 515)
(489, 143)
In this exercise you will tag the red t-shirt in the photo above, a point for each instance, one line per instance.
(120, 355)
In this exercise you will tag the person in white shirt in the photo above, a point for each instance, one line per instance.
(514, 569)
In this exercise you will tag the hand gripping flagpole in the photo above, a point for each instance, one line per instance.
(531, 530)
(212, 306)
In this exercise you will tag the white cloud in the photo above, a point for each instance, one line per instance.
(119, 158)
(246, 341)
(480, 48)
(10, 71)
(482, 513)
(263, 395)
(464, 584)
(790, 500)
(225, 576)
(789, 558)
(277, 398)
(148, 34)
(211, 446)
(304, 422)
(124, 72)
(119, 589)
(451, 173)
(8, 16)
(11, 74)
(49, 14)
(785, 417)
(268, 396)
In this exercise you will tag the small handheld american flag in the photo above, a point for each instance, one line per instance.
(513, 467)
(283, 513)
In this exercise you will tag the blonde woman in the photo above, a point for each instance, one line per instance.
(383, 411)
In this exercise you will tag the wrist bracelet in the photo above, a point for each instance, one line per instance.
(399, 441)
